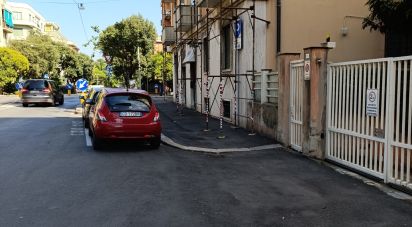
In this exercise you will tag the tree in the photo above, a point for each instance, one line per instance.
(158, 64)
(41, 53)
(99, 74)
(53, 58)
(12, 65)
(128, 42)
(394, 19)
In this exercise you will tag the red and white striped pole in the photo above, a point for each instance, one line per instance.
(221, 136)
(207, 104)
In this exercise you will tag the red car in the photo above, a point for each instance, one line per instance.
(122, 114)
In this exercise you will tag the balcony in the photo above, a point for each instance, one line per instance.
(7, 28)
(207, 3)
(185, 17)
(168, 35)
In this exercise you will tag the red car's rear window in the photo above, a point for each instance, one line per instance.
(128, 102)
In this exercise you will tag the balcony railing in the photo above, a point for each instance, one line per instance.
(168, 35)
(207, 3)
(185, 17)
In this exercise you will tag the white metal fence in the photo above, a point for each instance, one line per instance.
(375, 139)
(296, 104)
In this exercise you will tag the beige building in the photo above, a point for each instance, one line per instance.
(53, 30)
(6, 23)
(222, 47)
(158, 45)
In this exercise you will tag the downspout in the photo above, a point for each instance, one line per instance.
(278, 26)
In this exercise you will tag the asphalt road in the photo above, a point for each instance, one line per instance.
(50, 177)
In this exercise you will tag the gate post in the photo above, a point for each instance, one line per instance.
(314, 113)
(283, 128)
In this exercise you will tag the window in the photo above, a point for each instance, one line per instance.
(226, 47)
(205, 55)
(128, 102)
(35, 85)
(17, 16)
(226, 109)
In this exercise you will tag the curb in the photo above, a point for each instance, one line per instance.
(166, 140)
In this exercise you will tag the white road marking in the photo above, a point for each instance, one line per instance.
(6, 106)
(88, 138)
(77, 128)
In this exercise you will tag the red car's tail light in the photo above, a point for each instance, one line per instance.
(24, 90)
(101, 117)
(156, 117)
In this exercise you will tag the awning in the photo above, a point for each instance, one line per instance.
(8, 18)
(190, 55)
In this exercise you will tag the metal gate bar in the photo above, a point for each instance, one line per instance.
(377, 145)
(296, 102)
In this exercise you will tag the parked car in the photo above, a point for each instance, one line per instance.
(89, 101)
(40, 91)
(122, 114)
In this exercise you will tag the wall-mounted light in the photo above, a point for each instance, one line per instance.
(345, 30)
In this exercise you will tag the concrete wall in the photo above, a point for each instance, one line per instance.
(307, 23)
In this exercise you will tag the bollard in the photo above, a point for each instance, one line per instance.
(69, 92)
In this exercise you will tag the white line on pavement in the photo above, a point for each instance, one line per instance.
(6, 106)
(88, 139)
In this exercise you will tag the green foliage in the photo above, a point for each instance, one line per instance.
(53, 58)
(99, 73)
(128, 42)
(158, 64)
(12, 64)
(389, 15)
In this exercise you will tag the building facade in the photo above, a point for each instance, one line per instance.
(6, 23)
(26, 19)
(226, 51)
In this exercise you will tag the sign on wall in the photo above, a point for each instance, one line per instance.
(372, 102)
(306, 68)
(238, 34)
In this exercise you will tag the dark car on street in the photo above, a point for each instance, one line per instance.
(121, 114)
(90, 99)
(41, 91)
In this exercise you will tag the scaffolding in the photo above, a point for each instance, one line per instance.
(217, 11)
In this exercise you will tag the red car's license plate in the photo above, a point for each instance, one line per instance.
(130, 114)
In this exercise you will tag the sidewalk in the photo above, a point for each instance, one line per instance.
(187, 132)
(9, 99)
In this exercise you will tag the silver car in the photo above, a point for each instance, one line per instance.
(41, 91)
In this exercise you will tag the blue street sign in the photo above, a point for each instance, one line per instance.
(238, 34)
(19, 86)
(156, 86)
(82, 84)
(69, 86)
(238, 28)
(46, 76)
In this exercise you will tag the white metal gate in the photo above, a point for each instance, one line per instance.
(379, 145)
(296, 102)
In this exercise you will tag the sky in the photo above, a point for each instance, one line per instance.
(102, 13)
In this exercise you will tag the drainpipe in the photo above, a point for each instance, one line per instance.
(278, 25)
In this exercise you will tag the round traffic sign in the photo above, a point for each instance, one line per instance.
(82, 84)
